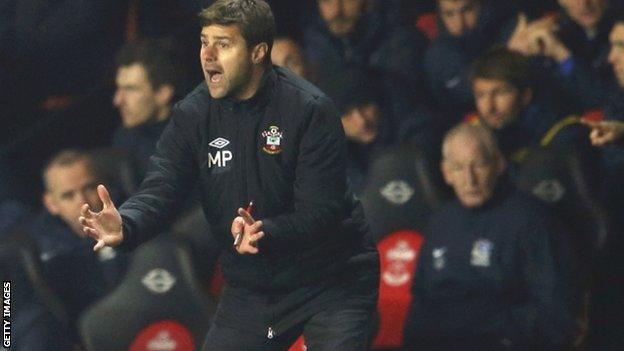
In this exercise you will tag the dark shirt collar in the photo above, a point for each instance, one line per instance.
(257, 102)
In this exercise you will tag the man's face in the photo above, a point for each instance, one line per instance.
(70, 187)
(135, 97)
(361, 123)
(459, 16)
(498, 102)
(286, 53)
(616, 55)
(470, 172)
(587, 13)
(341, 16)
(226, 61)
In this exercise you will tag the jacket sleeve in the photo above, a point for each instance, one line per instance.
(171, 174)
(320, 182)
(545, 315)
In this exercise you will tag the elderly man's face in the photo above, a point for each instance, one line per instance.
(459, 16)
(587, 13)
(470, 171)
(341, 16)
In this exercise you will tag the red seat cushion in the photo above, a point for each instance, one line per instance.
(165, 335)
(398, 255)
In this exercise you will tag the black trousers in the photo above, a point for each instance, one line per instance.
(342, 325)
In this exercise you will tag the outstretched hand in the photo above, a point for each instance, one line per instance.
(604, 132)
(103, 226)
(249, 228)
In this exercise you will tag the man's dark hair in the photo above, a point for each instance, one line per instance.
(502, 64)
(154, 58)
(253, 17)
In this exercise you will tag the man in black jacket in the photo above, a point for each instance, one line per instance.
(260, 133)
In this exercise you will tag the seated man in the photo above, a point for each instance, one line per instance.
(146, 85)
(77, 274)
(287, 53)
(571, 48)
(367, 121)
(354, 33)
(467, 29)
(486, 277)
(520, 116)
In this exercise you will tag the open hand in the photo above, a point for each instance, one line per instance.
(103, 226)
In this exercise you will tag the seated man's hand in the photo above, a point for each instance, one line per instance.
(604, 132)
(250, 231)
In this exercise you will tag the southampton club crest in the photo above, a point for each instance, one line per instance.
(273, 140)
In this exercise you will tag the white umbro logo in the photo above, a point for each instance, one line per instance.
(219, 143)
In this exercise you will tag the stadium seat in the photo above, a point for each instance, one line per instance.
(398, 254)
(158, 305)
(402, 190)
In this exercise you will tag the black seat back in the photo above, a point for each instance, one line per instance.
(402, 190)
(159, 289)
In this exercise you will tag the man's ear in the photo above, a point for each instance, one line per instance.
(259, 53)
(164, 94)
(50, 204)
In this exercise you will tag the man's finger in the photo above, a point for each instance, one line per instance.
(104, 196)
(591, 124)
(246, 216)
(91, 232)
(253, 239)
(238, 225)
(522, 21)
(100, 244)
(255, 227)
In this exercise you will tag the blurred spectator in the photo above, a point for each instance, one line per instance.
(12, 212)
(519, 115)
(467, 28)
(572, 47)
(287, 53)
(608, 313)
(146, 87)
(70, 267)
(486, 276)
(366, 121)
(349, 33)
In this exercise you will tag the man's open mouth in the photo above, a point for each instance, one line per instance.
(214, 76)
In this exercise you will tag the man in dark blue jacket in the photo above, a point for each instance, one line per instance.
(487, 278)
(571, 49)
(352, 33)
(519, 114)
(467, 29)
(145, 90)
(254, 132)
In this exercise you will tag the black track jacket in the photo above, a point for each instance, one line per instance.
(284, 149)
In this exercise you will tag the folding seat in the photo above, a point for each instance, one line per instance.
(158, 305)
(567, 182)
(402, 191)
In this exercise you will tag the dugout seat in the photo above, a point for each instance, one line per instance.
(158, 305)
(402, 190)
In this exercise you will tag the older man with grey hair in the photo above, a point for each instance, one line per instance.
(487, 277)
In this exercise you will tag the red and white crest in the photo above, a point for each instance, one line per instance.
(272, 144)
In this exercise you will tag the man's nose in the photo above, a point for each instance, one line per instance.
(209, 53)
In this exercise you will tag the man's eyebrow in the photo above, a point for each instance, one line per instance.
(221, 37)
